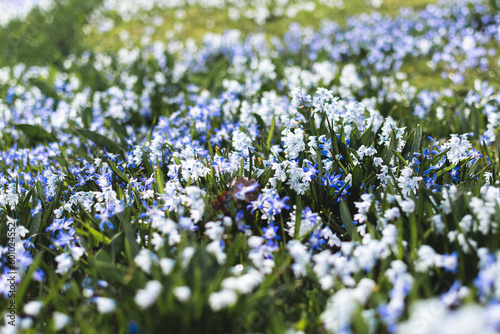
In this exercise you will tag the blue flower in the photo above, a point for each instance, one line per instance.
(37, 209)
(454, 174)
(315, 240)
(270, 233)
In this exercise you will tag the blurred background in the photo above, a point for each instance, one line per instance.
(44, 32)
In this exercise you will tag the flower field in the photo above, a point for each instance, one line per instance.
(289, 167)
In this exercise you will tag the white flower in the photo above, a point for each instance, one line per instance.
(182, 293)
(406, 182)
(157, 241)
(21, 231)
(427, 258)
(214, 230)
(392, 213)
(217, 249)
(33, 308)
(222, 299)
(135, 156)
(342, 305)
(408, 206)
(333, 239)
(77, 252)
(466, 223)
(148, 194)
(363, 208)
(299, 97)
(432, 316)
(143, 260)
(156, 146)
(458, 147)
(166, 266)
(365, 151)
(243, 284)
(300, 255)
(293, 142)
(64, 263)
(255, 241)
(437, 223)
(147, 296)
(241, 141)
(105, 305)
(25, 323)
(377, 162)
(187, 254)
(60, 320)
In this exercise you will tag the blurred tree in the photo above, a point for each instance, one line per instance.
(46, 37)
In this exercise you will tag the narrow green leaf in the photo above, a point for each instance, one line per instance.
(347, 219)
(98, 236)
(129, 231)
(35, 133)
(99, 140)
(25, 281)
(417, 141)
(497, 145)
(117, 171)
(35, 224)
(147, 164)
(366, 137)
(160, 180)
(438, 157)
(119, 130)
(111, 250)
(87, 117)
(298, 217)
(400, 157)
(271, 131)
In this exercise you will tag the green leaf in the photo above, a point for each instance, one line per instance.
(119, 130)
(366, 137)
(417, 141)
(160, 180)
(53, 206)
(87, 117)
(333, 137)
(35, 224)
(344, 150)
(259, 120)
(393, 144)
(400, 157)
(347, 219)
(147, 165)
(47, 89)
(23, 285)
(99, 140)
(39, 190)
(28, 197)
(118, 172)
(439, 157)
(132, 246)
(35, 133)
(298, 217)
(497, 145)
(271, 131)
(109, 252)
(473, 168)
(97, 235)
(112, 272)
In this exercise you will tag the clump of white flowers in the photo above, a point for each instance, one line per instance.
(144, 298)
